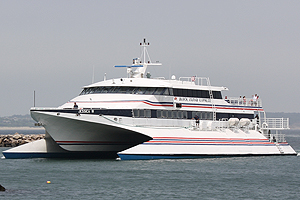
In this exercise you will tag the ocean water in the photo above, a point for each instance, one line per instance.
(264, 177)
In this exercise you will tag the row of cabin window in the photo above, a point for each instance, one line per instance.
(153, 91)
(196, 93)
(128, 90)
(171, 114)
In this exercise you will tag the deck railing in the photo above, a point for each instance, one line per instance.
(196, 80)
(244, 101)
(276, 137)
(275, 123)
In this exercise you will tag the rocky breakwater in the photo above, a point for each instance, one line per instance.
(18, 139)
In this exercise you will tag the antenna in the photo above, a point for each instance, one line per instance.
(93, 77)
(140, 63)
(144, 52)
(33, 98)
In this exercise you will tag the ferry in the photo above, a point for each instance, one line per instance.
(140, 117)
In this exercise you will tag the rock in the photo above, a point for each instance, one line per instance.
(17, 136)
(2, 189)
(14, 143)
(22, 142)
(18, 139)
(34, 137)
(27, 141)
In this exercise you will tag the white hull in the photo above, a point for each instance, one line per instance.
(48, 148)
(186, 143)
(72, 135)
(88, 133)
(43, 148)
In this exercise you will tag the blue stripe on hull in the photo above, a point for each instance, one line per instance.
(75, 155)
(29, 155)
(153, 157)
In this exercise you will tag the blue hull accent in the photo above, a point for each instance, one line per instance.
(72, 155)
(30, 155)
(153, 157)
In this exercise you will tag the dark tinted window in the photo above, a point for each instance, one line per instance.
(204, 94)
(196, 93)
(177, 92)
(152, 91)
(190, 93)
(217, 95)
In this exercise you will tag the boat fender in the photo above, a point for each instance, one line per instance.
(244, 122)
(233, 122)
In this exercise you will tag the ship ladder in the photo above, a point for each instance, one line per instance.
(211, 99)
(279, 148)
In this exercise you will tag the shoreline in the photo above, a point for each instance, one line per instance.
(21, 128)
(18, 139)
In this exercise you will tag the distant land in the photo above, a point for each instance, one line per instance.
(27, 121)
(17, 121)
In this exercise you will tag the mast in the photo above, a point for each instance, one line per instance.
(141, 63)
(144, 45)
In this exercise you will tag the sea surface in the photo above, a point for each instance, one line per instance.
(271, 177)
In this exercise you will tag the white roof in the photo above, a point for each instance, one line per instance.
(147, 82)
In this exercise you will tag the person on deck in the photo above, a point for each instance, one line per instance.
(254, 99)
(197, 120)
(244, 100)
(75, 106)
(240, 101)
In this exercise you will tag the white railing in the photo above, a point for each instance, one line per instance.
(159, 78)
(151, 122)
(275, 123)
(277, 138)
(207, 125)
(244, 101)
(197, 80)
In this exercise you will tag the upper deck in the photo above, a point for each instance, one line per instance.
(193, 92)
(183, 82)
(239, 101)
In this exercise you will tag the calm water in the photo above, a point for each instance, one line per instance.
(275, 177)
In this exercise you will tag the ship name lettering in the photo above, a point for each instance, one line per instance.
(84, 111)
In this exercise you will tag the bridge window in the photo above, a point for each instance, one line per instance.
(150, 91)
(159, 91)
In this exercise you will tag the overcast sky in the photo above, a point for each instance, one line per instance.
(51, 47)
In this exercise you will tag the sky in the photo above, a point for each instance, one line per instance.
(53, 47)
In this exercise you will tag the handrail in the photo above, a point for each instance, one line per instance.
(244, 101)
(275, 123)
(196, 80)
(159, 78)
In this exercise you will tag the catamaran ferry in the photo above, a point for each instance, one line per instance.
(139, 117)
